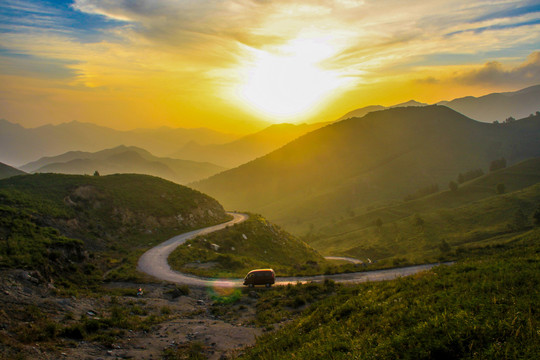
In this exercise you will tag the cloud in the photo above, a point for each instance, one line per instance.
(494, 73)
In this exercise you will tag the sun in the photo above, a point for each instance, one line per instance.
(289, 82)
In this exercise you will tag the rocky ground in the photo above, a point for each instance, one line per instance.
(36, 322)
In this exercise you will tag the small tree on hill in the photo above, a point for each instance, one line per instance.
(519, 220)
(453, 186)
(418, 221)
(444, 246)
(497, 164)
(536, 217)
(96, 173)
(501, 189)
(378, 223)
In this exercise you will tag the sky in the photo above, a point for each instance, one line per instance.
(238, 65)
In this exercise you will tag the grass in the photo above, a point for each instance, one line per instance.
(472, 214)
(483, 307)
(87, 227)
(255, 243)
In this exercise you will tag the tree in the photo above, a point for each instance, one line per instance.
(509, 120)
(96, 173)
(378, 223)
(453, 186)
(501, 189)
(417, 220)
(497, 164)
(519, 220)
(536, 216)
(444, 246)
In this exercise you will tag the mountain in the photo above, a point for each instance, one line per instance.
(246, 148)
(19, 145)
(123, 159)
(361, 112)
(488, 108)
(8, 171)
(362, 162)
(498, 106)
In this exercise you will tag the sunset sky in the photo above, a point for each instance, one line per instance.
(228, 65)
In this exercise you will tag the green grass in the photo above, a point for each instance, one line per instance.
(255, 243)
(101, 224)
(483, 307)
(472, 214)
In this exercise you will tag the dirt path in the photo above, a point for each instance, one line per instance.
(154, 263)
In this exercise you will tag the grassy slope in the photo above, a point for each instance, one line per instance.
(361, 161)
(117, 216)
(483, 307)
(265, 246)
(472, 214)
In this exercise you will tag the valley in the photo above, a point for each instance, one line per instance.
(376, 226)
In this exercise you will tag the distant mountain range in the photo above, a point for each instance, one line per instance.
(360, 162)
(248, 147)
(488, 108)
(19, 145)
(8, 171)
(124, 159)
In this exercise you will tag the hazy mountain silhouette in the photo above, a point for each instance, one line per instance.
(19, 145)
(488, 108)
(498, 106)
(123, 159)
(246, 148)
(9, 171)
(384, 155)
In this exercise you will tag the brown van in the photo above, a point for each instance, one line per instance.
(265, 277)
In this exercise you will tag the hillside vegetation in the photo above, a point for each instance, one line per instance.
(413, 231)
(368, 161)
(124, 159)
(53, 221)
(255, 243)
(483, 307)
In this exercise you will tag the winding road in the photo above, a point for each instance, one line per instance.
(154, 263)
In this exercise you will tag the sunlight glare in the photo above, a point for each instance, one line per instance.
(290, 82)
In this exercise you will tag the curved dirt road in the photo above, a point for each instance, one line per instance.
(154, 263)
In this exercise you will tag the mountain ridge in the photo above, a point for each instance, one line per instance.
(124, 159)
(381, 156)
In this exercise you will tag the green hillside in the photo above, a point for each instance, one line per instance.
(8, 171)
(483, 307)
(255, 243)
(415, 230)
(124, 159)
(107, 221)
(361, 162)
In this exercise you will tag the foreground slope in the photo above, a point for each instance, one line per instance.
(124, 159)
(52, 220)
(361, 161)
(483, 307)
